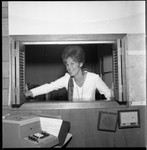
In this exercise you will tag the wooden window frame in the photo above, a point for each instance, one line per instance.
(64, 38)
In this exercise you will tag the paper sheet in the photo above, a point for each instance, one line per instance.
(51, 125)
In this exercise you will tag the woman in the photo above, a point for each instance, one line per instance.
(81, 85)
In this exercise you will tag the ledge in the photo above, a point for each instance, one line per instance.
(69, 105)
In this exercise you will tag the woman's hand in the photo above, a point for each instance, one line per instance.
(112, 92)
(27, 92)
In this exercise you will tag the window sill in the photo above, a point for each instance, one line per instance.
(70, 105)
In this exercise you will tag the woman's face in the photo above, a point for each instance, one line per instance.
(72, 66)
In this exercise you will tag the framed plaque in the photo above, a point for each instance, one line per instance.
(107, 121)
(128, 118)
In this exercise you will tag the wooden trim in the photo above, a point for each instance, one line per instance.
(126, 79)
(124, 76)
(119, 51)
(12, 63)
(69, 105)
(67, 37)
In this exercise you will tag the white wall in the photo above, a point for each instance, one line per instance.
(76, 17)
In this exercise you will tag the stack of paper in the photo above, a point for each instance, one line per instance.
(51, 125)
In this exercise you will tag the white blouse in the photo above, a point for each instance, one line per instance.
(84, 93)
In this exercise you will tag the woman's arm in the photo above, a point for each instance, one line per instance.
(46, 88)
(103, 88)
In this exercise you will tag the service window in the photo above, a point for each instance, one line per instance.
(36, 61)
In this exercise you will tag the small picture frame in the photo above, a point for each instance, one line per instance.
(128, 119)
(107, 121)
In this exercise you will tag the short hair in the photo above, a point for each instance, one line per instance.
(75, 52)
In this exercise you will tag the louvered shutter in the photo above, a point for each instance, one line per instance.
(13, 72)
(117, 72)
(19, 73)
(22, 73)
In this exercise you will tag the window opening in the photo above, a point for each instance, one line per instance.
(98, 55)
(43, 64)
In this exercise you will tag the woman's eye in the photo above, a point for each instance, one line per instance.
(71, 64)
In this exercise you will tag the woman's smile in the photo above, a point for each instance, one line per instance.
(72, 71)
(72, 66)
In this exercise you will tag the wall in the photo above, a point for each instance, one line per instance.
(136, 68)
(5, 54)
(76, 17)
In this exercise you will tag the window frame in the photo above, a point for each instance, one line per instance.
(64, 38)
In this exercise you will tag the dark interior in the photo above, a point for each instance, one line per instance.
(43, 64)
